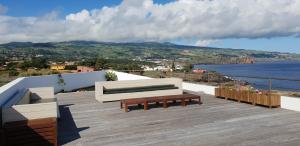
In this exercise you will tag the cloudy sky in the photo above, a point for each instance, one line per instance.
(272, 25)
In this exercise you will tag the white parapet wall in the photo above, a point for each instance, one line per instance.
(10, 89)
(10, 93)
(290, 103)
(71, 81)
(207, 89)
(126, 76)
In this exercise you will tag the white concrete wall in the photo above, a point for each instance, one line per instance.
(126, 76)
(291, 103)
(199, 88)
(10, 89)
(73, 81)
(41, 93)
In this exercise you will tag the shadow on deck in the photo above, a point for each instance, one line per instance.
(67, 129)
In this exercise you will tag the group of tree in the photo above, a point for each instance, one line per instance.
(116, 64)
(38, 63)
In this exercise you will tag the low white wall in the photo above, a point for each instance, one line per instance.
(11, 89)
(126, 76)
(199, 88)
(291, 103)
(41, 93)
(72, 81)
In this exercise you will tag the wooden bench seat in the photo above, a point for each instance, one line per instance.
(183, 98)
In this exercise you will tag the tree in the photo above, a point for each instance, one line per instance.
(35, 62)
(100, 64)
(11, 65)
(2, 61)
(13, 72)
(188, 67)
(71, 67)
(173, 65)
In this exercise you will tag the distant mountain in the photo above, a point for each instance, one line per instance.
(75, 50)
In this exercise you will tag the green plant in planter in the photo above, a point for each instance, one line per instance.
(111, 76)
(61, 81)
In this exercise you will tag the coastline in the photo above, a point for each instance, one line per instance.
(283, 75)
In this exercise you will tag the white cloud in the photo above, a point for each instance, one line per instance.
(205, 42)
(142, 20)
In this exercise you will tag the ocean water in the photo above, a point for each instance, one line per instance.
(282, 70)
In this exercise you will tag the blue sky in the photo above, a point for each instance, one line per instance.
(41, 7)
(276, 39)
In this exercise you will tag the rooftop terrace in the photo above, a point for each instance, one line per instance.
(85, 121)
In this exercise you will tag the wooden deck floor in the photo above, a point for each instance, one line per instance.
(217, 122)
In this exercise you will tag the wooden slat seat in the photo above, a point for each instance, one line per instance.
(164, 99)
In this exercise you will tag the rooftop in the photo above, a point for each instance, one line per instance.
(85, 121)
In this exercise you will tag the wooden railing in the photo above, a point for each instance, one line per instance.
(265, 99)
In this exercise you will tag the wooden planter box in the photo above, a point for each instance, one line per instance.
(270, 100)
(246, 96)
(217, 92)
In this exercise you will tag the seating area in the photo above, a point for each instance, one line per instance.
(118, 90)
(159, 99)
(34, 114)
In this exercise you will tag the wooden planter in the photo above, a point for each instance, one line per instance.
(245, 96)
(217, 92)
(270, 100)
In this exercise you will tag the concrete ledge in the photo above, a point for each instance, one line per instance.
(290, 103)
(199, 88)
(29, 112)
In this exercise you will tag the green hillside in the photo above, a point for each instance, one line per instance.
(75, 50)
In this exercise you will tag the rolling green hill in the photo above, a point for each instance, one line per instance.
(75, 50)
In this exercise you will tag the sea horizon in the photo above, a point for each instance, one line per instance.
(283, 74)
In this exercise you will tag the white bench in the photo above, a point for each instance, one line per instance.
(154, 84)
